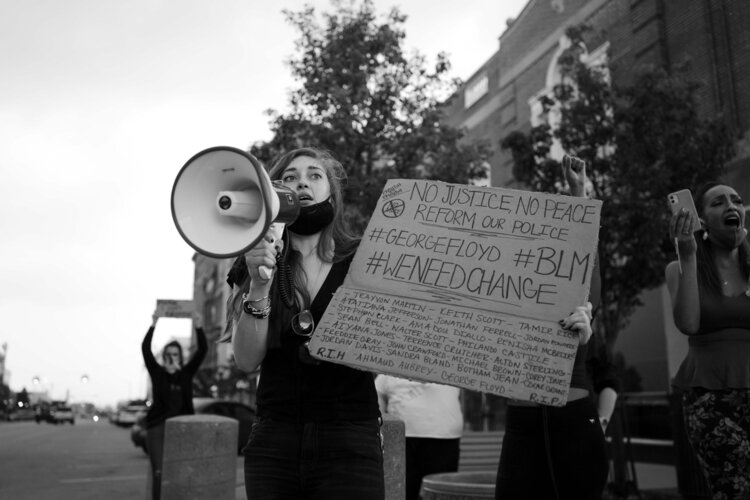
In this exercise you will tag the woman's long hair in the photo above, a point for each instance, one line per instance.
(336, 243)
(708, 274)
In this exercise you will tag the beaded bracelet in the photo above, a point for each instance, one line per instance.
(249, 308)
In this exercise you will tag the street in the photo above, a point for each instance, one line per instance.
(89, 460)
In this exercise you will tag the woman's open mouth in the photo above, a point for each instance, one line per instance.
(733, 219)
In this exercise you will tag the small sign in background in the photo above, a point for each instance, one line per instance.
(166, 308)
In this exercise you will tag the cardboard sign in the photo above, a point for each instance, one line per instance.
(174, 308)
(465, 285)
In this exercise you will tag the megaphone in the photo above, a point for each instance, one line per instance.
(223, 202)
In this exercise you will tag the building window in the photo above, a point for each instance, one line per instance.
(553, 115)
(475, 91)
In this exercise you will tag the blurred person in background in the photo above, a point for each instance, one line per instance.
(558, 453)
(434, 424)
(172, 391)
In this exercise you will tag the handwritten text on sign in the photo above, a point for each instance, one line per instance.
(483, 351)
(521, 258)
(520, 252)
(167, 308)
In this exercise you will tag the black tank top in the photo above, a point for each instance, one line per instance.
(292, 391)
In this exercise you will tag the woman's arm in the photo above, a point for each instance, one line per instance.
(249, 332)
(682, 276)
(606, 406)
(200, 352)
(148, 356)
(380, 388)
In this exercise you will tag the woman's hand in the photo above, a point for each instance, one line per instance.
(680, 231)
(579, 321)
(263, 255)
(154, 319)
(197, 320)
(574, 171)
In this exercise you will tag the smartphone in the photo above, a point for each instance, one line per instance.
(683, 199)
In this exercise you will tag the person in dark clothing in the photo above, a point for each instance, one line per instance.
(604, 378)
(317, 431)
(558, 453)
(172, 391)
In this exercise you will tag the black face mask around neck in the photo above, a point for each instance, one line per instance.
(313, 218)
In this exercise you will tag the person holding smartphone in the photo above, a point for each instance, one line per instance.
(711, 305)
(171, 391)
(558, 453)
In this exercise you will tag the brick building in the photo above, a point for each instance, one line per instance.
(210, 294)
(502, 96)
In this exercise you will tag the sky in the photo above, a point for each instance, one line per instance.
(101, 103)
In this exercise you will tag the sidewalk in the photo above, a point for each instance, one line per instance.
(239, 492)
(655, 482)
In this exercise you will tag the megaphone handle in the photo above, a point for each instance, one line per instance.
(277, 230)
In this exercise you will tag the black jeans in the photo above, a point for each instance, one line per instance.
(314, 461)
(428, 456)
(155, 447)
(552, 453)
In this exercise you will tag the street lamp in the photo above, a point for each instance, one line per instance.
(42, 386)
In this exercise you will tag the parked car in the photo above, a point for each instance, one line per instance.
(126, 414)
(42, 413)
(20, 414)
(62, 414)
(54, 412)
(244, 414)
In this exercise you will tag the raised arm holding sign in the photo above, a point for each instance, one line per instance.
(554, 453)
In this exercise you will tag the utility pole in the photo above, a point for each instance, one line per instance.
(3, 353)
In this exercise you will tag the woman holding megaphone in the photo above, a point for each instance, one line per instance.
(317, 431)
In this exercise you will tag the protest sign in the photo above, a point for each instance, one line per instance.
(465, 285)
(174, 308)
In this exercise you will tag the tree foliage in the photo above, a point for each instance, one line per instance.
(640, 141)
(377, 108)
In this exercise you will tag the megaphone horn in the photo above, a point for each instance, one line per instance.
(223, 202)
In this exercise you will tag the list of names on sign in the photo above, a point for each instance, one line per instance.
(487, 352)
(464, 285)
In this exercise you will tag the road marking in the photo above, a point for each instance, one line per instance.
(102, 479)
